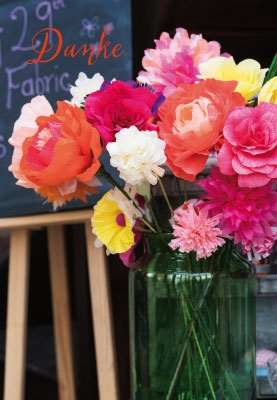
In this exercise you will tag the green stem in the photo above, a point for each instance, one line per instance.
(165, 196)
(153, 216)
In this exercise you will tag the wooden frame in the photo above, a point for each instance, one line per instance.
(20, 227)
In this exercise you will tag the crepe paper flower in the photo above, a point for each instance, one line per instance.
(268, 92)
(192, 120)
(120, 105)
(195, 231)
(250, 145)
(137, 155)
(249, 215)
(113, 219)
(175, 60)
(60, 152)
(247, 73)
(85, 86)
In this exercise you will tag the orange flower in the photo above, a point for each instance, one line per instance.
(62, 157)
(192, 119)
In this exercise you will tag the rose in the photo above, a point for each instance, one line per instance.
(250, 145)
(120, 105)
(192, 119)
(60, 152)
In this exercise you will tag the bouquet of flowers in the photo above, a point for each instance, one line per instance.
(190, 104)
(191, 108)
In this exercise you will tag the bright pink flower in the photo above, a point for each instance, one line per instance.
(120, 105)
(195, 231)
(249, 215)
(175, 60)
(250, 145)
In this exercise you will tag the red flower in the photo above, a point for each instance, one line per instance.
(120, 105)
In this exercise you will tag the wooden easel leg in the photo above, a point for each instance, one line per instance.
(61, 313)
(14, 380)
(102, 319)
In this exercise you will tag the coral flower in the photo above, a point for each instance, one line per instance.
(195, 231)
(60, 155)
(248, 214)
(247, 73)
(192, 120)
(175, 60)
(113, 220)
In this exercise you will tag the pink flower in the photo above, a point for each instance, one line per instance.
(250, 145)
(195, 231)
(175, 60)
(249, 215)
(120, 105)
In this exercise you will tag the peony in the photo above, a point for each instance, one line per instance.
(268, 92)
(248, 214)
(59, 154)
(193, 230)
(120, 105)
(137, 155)
(247, 73)
(250, 145)
(176, 60)
(192, 119)
(85, 86)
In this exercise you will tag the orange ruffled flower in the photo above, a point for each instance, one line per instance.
(192, 120)
(62, 157)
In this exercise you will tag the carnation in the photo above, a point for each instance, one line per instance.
(195, 231)
(248, 214)
(85, 86)
(137, 155)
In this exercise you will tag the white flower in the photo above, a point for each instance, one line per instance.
(85, 86)
(137, 155)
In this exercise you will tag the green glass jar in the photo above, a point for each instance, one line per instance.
(192, 326)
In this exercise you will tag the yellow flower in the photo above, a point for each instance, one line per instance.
(112, 223)
(268, 92)
(247, 73)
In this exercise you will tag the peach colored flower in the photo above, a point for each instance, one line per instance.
(175, 60)
(268, 92)
(192, 119)
(247, 73)
(250, 145)
(60, 153)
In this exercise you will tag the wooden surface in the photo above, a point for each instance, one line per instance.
(14, 381)
(20, 228)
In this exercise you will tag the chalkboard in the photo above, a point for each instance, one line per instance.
(103, 24)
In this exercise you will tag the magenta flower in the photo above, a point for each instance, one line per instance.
(249, 215)
(250, 145)
(120, 105)
(175, 60)
(195, 231)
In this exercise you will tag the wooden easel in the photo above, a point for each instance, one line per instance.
(20, 227)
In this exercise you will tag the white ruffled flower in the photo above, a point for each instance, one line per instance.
(85, 86)
(137, 155)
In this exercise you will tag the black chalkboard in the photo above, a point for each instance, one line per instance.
(68, 24)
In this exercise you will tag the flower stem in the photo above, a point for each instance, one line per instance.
(165, 196)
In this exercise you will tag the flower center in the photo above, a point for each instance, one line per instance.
(120, 219)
